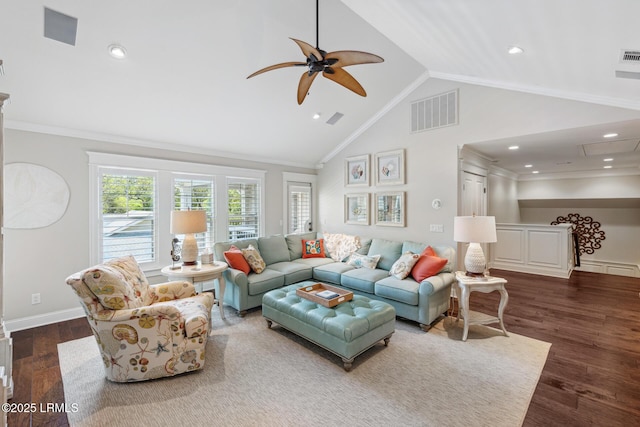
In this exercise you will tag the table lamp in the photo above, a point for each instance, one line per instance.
(188, 223)
(474, 230)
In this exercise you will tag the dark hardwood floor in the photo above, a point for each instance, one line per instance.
(592, 374)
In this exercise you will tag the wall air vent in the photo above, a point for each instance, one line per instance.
(630, 56)
(434, 112)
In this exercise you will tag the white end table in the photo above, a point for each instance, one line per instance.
(200, 273)
(464, 285)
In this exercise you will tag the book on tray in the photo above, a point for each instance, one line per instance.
(327, 294)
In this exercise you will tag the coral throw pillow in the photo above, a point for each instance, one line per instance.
(235, 259)
(313, 248)
(428, 265)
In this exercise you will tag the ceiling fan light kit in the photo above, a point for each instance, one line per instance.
(330, 64)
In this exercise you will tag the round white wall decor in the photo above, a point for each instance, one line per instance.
(34, 196)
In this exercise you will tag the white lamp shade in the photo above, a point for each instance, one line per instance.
(185, 222)
(476, 229)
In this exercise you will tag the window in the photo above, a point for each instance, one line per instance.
(244, 207)
(299, 210)
(131, 200)
(128, 216)
(197, 193)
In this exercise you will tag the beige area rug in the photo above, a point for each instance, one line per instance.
(255, 376)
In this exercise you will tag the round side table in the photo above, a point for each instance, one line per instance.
(197, 274)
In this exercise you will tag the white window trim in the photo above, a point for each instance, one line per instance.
(288, 177)
(166, 170)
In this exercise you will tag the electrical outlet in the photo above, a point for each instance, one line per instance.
(35, 298)
(436, 228)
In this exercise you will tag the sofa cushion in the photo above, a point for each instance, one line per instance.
(332, 272)
(294, 272)
(294, 243)
(314, 262)
(362, 279)
(388, 250)
(313, 248)
(236, 260)
(363, 261)
(273, 249)
(254, 259)
(404, 291)
(402, 267)
(267, 280)
(365, 244)
(427, 265)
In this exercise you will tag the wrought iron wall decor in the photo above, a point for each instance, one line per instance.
(588, 231)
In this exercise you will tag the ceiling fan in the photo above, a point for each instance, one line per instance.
(330, 64)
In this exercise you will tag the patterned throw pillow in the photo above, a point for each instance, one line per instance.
(428, 265)
(254, 259)
(235, 259)
(402, 267)
(313, 248)
(363, 261)
(340, 246)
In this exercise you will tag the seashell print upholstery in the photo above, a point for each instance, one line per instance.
(143, 331)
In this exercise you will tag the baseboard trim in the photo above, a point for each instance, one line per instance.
(609, 267)
(43, 319)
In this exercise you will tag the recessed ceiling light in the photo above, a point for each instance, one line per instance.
(513, 147)
(117, 51)
(608, 167)
(535, 172)
(528, 166)
(515, 50)
(609, 159)
(610, 135)
(316, 116)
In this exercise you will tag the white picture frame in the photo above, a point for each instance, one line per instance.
(356, 209)
(390, 167)
(389, 208)
(357, 171)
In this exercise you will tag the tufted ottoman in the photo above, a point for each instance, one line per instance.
(347, 329)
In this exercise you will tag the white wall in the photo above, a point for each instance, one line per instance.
(432, 163)
(503, 198)
(39, 260)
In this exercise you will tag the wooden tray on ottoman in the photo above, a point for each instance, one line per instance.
(310, 292)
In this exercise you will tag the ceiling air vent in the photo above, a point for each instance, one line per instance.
(630, 56)
(434, 112)
(60, 27)
(334, 119)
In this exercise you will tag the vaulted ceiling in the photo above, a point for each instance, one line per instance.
(184, 83)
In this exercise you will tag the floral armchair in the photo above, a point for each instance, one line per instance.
(143, 331)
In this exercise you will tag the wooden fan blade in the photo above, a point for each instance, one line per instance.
(307, 49)
(276, 66)
(345, 79)
(304, 85)
(352, 57)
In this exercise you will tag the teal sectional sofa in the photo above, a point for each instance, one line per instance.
(420, 302)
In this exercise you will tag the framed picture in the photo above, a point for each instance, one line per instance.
(390, 167)
(389, 208)
(357, 171)
(356, 208)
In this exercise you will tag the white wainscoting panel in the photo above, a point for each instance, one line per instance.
(533, 248)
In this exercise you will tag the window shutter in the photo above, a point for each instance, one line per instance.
(299, 207)
(197, 193)
(243, 199)
(128, 215)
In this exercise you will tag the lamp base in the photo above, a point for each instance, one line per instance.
(190, 263)
(474, 260)
(470, 274)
